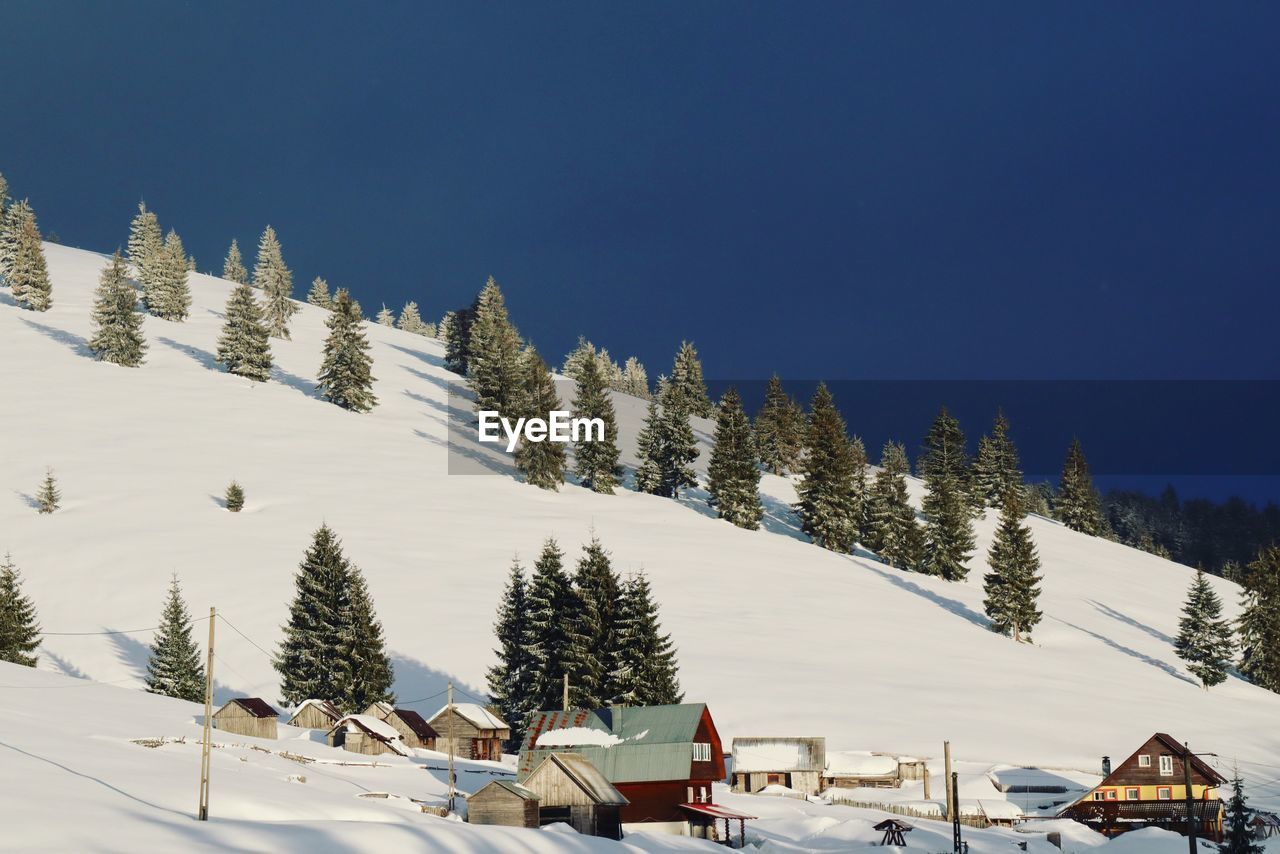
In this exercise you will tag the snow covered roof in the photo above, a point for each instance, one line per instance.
(368, 723)
(476, 714)
(858, 763)
(755, 755)
(574, 735)
(582, 773)
(324, 706)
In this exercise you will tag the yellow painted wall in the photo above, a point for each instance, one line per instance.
(1148, 793)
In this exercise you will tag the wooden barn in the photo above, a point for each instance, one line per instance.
(662, 759)
(796, 763)
(413, 727)
(476, 732)
(503, 802)
(368, 735)
(572, 790)
(316, 714)
(852, 769)
(1148, 790)
(247, 716)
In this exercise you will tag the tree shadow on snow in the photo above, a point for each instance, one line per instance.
(204, 357)
(445, 385)
(135, 654)
(433, 404)
(898, 578)
(1130, 621)
(1133, 653)
(434, 361)
(67, 668)
(70, 340)
(422, 688)
(302, 384)
(28, 499)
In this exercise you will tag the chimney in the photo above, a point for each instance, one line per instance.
(1106, 766)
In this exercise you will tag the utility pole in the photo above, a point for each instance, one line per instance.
(926, 781)
(565, 705)
(956, 844)
(202, 810)
(946, 779)
(1191, 802)
(451, 748)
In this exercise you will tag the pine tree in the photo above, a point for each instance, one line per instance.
(371, 674)
(164, 280)
(556, 646)
(1260, 621)
(410, 320)
(827, 506)
(243, 346)
(635, 379)
(779, 429)
(541, 463)
(386, 317)
(458, 340)
(346, 374)
(9, 218)
(1237, 835)
(234, 497)
(48, 496)
(1012, 585)
(1078, 506)
(667, 447)
(493, 353)
(688, 386)
(573, 362)
(233, 269)
(319, 294)
(860, 503)
(894, 533)
(733, 473)
(944, 453)
(596, 462)
(19, 629)
(117, 326)
(511, 680)
(948, 534)
(599, 592)
(996, 473)
(27, 273)
(312, 659)
(174, 668)
(274, 279)
(1204, 638)
(647, 671)
(4, 193)
(444, 327)
(146, 241)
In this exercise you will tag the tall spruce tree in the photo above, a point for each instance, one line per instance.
(312, 660)
(117, 335)
(687, 383)
(146, 241)
(779, 429)
(861, 495)
(511, 680)
(599, 592)
(493, 353)
(346, 376)
(457, 339)
(233, 269)
(275, 280)
(596, 462)
(370, 672)
(997, 476)
(733, 473)
(26, 272)
(167, 292)
(647, 672)
(944, 453)
(19, 628)
(1204, 638)
(948, 534)
(410, 319)
(827, 505)
(1237, 834)
(243, 346)
(541, 463)
(1260, 621)
(894, 533)
(667, 447)
(1013, 585)
(319, 294)
(174, 668)
(1078, 506)
(557, 647)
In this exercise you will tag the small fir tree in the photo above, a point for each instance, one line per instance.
(827, 506)
(1012, 586)
(646, 666)
(1078, 506)
(319, 294)
(27, 273)
(174, 668)
(997, 477)
(410, 319)
(688, 386)
(894, 533)
(386, 317)
(346, 377)
(234, 497)
(48, 496)
(233, 269)
(493, 353)
(780, 429)
(117, 326)
(1260, 621)
(275, 280)
(572, 367)
(243, 346)
(541, 463)
(1237, 834)
(511, 680)
(635, 379)
(596, 462)
(1204, 638)
(733, 473)
(19, 628)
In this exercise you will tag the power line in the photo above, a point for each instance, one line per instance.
(109, 632)
(246, 637)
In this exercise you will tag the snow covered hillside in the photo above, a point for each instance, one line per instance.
(777, 636)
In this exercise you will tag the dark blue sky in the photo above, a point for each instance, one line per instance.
(836, 190)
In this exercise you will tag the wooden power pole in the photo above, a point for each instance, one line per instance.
(946, 779)
(202, 811)
(1191, 802)
(451, 747)
(565, 701)
(926, 781)
(956, 844)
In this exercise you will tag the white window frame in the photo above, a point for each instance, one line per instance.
(1144, 760)
(1166, 765)
(1137, 793)
(701, 751)
(1164, 793)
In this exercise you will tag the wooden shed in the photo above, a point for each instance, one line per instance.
(316, 714)
(413, 727)
(366, 734)
(572, 790)
(476, 732)
(503, 802)
(247, 716)
(796, 763)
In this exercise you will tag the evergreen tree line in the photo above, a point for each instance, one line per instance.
(597, 629)
(629, 378)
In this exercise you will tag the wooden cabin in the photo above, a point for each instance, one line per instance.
(366, 734)
(316, 714)
(476, 732)
(248, 716)
(1148, 790)
(503, 802)
(662, 759)
(796, 763)
(413, 727)
(572, 790)
(853, 769)
(1265, 824)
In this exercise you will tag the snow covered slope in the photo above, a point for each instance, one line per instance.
(778, 636)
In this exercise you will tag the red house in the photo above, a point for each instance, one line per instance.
(664, 759)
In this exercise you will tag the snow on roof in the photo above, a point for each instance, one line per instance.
(323, 705)
(477, 714)
(574, 735)
(858, 763)
(758, 755)
(371, 724)
(255, 706)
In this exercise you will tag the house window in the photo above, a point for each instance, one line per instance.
(1104, 795)
(701, 752)
(1132, 794)
(1144, 761)
(774, 780)
(1166, 765)
(1164, 793)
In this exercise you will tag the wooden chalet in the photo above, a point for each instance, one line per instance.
(248, 716)
(316, 714)
(476, 732)
(662, 759)
(572, 790)
(1148, 790)
(796, 763)
(851, 769)
(368, 735)
(1265, 825)
(413, 727)
(503, 802)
